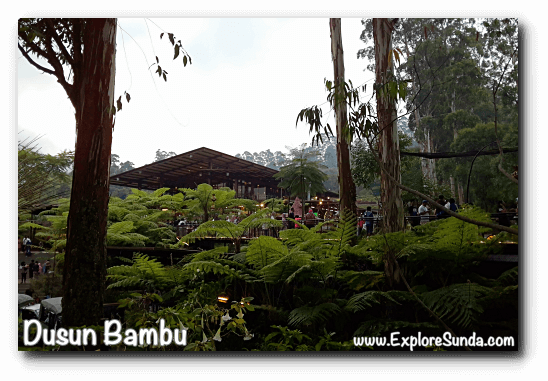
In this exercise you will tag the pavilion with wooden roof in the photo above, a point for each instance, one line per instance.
(204, 165)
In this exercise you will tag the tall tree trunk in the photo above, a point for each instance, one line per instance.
(425, 163)
(461, 194)
(388, 146)
(347, 188)
(84, 271)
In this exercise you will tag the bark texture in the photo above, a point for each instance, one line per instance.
(347, 188)
(388, 146)
(84, 271)
(388, 143)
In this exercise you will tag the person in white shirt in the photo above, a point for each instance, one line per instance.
(423, 212)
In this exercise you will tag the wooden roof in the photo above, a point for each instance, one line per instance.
(202, 165)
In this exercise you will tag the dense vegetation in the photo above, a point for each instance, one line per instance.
(314, 291)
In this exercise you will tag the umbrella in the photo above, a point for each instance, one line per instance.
(24, 300)
(53, 304)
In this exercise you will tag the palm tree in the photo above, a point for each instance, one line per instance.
(302, 173)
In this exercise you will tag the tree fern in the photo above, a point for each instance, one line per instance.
(458, 303)
(283, 268)
(365, 300)
(145, 273)
(159, 192)
(207, 255)
(308, 315)
(121, 227)
(264, 251)
(213, 267)
(357, 280)
(131, 217)
(509, 277)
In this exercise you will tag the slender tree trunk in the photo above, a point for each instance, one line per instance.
(347, 188)
(461, 194)
(388, 146)
(84, 271)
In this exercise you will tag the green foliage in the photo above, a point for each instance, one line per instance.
(302, 173)
(317, 314)
(145, 273)
(303, 281)
(458, 303)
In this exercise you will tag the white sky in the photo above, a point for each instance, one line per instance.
(248, 80)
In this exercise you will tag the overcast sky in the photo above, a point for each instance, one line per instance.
(248, 80)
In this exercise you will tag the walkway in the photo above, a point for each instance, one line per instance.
(38, 256)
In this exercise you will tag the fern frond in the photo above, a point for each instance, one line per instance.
(264, 250)
(280, 270)
(120, 227)
(212, 267)
(365, 300)
(458, 303)
(509, 277)
(317, 314)
(159, 192)
(32, 225)
(357, 280)
(209, 254)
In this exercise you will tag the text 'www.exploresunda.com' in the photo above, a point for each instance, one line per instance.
(446, 340)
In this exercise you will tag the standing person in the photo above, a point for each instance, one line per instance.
(440, 213)
(516, 208)
(39, 268)
(291, 215)
(412, 210)
(23, 272)
(423, 212)
(369, 221)
(451, 205)
(360, 223)
(45, 267)
(28, 244)
(309, 219)
(272, 228)
(19, 245)
(31, 269)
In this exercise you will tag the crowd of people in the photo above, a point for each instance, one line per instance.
(33, 269)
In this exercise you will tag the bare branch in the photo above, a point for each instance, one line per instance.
(33, 63)
(439, 206)
(60, 44)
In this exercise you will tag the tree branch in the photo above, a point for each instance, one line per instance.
(61, 46)
(59, 71)
(33, 63)
(439, 206)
